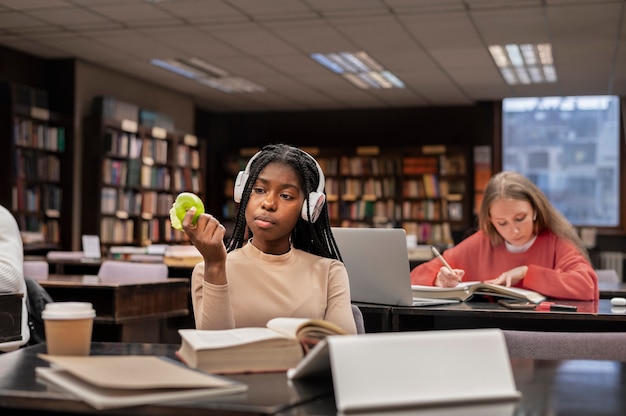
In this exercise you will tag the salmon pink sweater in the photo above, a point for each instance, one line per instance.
(556, 268)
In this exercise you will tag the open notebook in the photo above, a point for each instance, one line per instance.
(377, 261)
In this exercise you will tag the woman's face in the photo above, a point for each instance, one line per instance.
(513, 219)
(274, 208)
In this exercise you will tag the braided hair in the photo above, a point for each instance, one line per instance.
(313, 237)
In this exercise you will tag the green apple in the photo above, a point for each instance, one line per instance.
(184, 201)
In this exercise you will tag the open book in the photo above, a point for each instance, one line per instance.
(465, 290)
(278, 346)
(114, 381)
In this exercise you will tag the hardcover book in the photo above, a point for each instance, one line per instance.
(278, 346)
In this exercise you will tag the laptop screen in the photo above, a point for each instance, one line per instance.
(377, 262)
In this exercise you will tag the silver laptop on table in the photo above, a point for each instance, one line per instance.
(377, 261)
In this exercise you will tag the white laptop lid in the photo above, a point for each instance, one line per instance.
(413, 369)
(377, 261)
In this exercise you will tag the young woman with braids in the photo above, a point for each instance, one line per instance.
(522, 241)
(281, 259)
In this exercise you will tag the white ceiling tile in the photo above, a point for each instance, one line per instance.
(135, 12)
(67, 16)
(19, 21)
(442, 30)
(437, 47)
(508, 26)
(256, 42)
(32, 4)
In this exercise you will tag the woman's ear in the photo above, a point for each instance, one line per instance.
(535, 216)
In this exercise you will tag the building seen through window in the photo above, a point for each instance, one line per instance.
(570, 148)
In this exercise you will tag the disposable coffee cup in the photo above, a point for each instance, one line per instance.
(68, 327)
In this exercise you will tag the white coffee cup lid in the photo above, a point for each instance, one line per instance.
(68, 310)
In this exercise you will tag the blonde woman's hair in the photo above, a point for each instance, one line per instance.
(513, 185)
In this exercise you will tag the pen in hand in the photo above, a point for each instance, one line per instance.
(440, 257)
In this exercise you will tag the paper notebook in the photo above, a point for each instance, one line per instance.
(412, 369)
(377, 261)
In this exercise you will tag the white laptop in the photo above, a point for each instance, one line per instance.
(399, 379)
(378, 267)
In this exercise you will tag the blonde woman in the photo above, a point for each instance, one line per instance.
(523, 241)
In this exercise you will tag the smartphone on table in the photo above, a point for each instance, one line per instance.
(516, 304)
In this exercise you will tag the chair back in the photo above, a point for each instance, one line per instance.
(114, 271)
(36, 269)
(358, 319)
(607, 275)
(566, 345)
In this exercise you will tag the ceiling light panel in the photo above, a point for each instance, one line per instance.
(524, 64)
(358, 68)
(208, 74)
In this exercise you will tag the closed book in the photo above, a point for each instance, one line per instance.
(466, 290)
(279, 345)
(107, 382)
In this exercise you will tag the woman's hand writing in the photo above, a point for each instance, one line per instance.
(447, 278)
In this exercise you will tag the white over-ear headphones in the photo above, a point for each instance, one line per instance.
(316, 199)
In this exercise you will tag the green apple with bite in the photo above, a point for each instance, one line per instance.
(184, 201)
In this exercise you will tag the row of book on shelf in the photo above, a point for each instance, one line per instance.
(429, 233)
(133, 172)
(29, 133)
(353, 188)
(425, 186)
(433, 210)
(135, 203)
(443, 164)
(44, 197)
(130, 145)
(360, 210)
(46, 227)
(31, 165)
(115, 230)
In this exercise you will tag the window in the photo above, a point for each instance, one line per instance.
(570, 148)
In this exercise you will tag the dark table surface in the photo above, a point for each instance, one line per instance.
(267, 394)
(568, 388)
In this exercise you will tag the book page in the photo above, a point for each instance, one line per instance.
(513, 292)
(213, 339)
(287, 326)
(133, 372)
(304, 327)
(463, 287)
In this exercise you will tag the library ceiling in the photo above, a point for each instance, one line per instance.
(438, 49)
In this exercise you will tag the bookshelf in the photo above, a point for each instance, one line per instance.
(423, 189)
(141, 164)
(36, 167)
(435, 193)
(361, 186)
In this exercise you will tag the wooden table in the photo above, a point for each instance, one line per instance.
(597, 316)
(125, 311)
(549, 388)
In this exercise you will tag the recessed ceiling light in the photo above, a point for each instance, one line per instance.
(524, 64)
(207, 74)
(358, 68)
